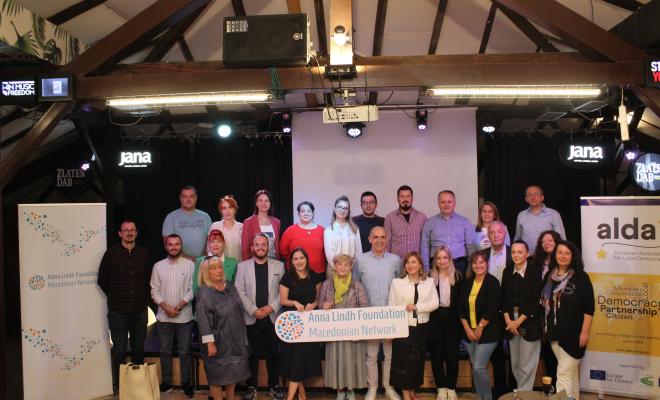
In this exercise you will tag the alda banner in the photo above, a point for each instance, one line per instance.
(342, 324)
(621, 251)
(63, 312)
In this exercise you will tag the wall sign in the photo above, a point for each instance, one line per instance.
(584, 154)
(645, 172)
(71, 179)
(21, 91)
(653, 72)
(136, 160)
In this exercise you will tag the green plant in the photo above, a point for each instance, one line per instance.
(52, 53)
(25, 42)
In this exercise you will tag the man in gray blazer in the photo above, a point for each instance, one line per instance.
(257, 282)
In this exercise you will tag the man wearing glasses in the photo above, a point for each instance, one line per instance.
(124, 276)
(537, 218)
(368, 219)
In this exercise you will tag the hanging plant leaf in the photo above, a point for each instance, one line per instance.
(52, 53)
(10, 8)
(3, 40)
(25, 42)
(74, 48)
(60, 33)
(39, 29)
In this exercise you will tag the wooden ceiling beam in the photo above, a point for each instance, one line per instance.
(185, 50)
(385, 73)
(73, 11)
(320, 27)
(630, 5)
(379, 33)
(528, 29)
(488, 26)
(577, 31)
(171, 37)
(649, 96)
(239, 8)
(437, 26)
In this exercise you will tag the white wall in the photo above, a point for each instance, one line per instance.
(390, 153)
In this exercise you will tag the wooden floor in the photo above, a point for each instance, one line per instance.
(425, 395)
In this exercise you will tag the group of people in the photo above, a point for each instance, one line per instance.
(461, 285)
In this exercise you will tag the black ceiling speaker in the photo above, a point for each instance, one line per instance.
(266, 41)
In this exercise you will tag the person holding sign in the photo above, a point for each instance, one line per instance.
(420, 297)
(219, 313)
(345, 367)
(480, 316)
(299, 291)
(568, 299)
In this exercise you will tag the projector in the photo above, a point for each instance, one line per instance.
(340, 115)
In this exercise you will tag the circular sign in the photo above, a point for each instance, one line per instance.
(645, 172)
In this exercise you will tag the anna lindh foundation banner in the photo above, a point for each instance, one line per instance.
(621, 251)
(63, 312)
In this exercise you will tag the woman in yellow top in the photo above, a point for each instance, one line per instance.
(480, 316)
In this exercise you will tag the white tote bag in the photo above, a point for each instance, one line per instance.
(138, 382)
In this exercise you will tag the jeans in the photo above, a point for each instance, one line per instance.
(479, 356)
(263, 343)
(524, 361)
(121, 326)
(183, 332)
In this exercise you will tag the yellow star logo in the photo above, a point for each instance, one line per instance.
(601, 254)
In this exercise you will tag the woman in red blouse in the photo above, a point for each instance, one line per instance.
(306, 234)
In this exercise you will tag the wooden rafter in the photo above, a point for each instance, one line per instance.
(320, 27)
(630, 5)
(156, 18)
(171, 37)
(385, 73)
(488, 26)
(185, 50)
(529, 30)
(73, 11)
(239, 8)
(437, 26)
(379, 33)
(580, 33)
(649, 96)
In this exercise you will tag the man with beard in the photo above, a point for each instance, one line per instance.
(257, 282)
(368, 219)
(404, 225)
(171, 289)
(448, 229)
(124, 276)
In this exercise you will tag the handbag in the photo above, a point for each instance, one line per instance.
(138, 382)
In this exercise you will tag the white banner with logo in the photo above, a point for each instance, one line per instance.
(621, 251)
(343, 324)
(64, 328)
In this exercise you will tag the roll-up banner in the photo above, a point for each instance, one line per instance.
(64, 328)
(621, 252)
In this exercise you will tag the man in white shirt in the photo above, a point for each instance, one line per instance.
(499, 255)
(171, 290)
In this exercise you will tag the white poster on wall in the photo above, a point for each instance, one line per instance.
(621, 252)
(63, 312)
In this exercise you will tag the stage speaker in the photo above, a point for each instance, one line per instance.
(266, 41)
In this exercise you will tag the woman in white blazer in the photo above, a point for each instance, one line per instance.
(417, 292)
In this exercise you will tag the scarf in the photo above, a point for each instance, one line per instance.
(555, 295)
(341, 287)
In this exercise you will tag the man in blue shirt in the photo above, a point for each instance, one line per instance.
(537, 218)
(189, 223)
(448, 229)
(376, 269)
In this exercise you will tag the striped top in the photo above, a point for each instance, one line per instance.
(171, 282)
(403, 236)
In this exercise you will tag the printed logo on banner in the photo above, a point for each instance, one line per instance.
(597, 374)
(48, 348)
(54, 235)
(37, 282)
(290, 327)
(647, 380)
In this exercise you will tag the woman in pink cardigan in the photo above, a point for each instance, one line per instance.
(262, 221)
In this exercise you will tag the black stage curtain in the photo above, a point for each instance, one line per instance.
(516, 161)
(238, 166)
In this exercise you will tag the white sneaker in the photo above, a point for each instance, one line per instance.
(371, 393)
(391, 394)
(341, 395)
(350, 395)
(451, 394)
(442, 394)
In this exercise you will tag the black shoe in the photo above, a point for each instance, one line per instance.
(188, 391)
(250, 393)
(166, 387)
(277, 393)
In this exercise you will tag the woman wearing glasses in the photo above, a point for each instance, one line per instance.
(306, 234)
(262, 221)
(215, 248)
(230, 228)
(342, 236)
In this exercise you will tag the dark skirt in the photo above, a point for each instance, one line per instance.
(408, 357)
(300, 361)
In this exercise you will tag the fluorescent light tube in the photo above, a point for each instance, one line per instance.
(515, 91)
(190, 99)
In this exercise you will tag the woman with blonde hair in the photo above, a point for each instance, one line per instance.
(219, 314)
(342, 236)
(445, 325)
(345, 365)
(416, 292)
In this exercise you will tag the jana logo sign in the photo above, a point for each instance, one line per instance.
(18, 88)
(134, 159)
(343, 324)
(583, 155)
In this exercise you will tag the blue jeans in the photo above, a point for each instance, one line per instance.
(121, 326)
(479, 356)
(183, 332)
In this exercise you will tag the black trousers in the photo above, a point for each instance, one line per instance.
(550, 361)
(443, 344)
(121, 325)
(264, 344)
